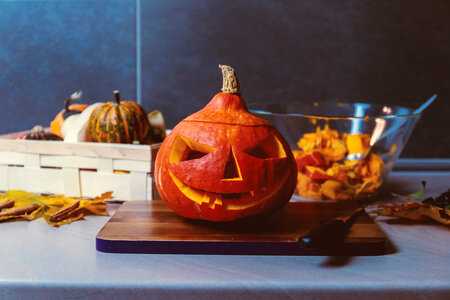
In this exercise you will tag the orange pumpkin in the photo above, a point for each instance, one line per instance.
(68, 111)
(223, 163)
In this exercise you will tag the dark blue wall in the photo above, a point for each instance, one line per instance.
(164, 53)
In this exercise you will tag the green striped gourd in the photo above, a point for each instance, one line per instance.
(119, 122)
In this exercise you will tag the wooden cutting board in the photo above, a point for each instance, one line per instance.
(152, 227)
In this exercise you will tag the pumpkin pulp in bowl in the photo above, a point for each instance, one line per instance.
(344, 151)
(325, 174)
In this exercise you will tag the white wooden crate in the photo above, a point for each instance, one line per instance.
(77, 169)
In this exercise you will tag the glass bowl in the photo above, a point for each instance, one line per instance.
(344, 151)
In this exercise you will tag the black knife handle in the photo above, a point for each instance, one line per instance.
(327, 234)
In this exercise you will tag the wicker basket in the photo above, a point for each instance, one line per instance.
(77, 169)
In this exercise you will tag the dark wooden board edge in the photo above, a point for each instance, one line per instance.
(236, 248)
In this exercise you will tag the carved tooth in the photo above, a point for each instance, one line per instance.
(211, 202)
(218, 200)
(206, 198)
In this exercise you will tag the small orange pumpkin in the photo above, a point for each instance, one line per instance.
(68, 111)
(223, 163)
(119, 122)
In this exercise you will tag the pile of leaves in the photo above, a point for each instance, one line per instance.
(55, 209)
(437, 208)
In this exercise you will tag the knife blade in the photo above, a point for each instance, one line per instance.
(330, 233)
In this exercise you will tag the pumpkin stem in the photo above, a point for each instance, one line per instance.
(230, 82)
(117, 97)
(74, 96)
(37, 128)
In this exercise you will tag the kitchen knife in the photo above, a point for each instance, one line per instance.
(329, 233)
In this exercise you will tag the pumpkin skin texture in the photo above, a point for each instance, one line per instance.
(223, 163)
(119, 122)
(70, 111)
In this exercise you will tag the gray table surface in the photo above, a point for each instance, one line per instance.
(41, 262)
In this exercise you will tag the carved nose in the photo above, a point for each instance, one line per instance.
(231, 171)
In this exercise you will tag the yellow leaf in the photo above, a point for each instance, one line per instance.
(55, 209)
(21, 200)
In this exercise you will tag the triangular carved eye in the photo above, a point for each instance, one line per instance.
(231, 171)
(270, 147)
(185, 149)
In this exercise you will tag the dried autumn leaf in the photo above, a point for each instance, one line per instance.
(85, 207)
(416, 211)
(56, 209)
(26, 206)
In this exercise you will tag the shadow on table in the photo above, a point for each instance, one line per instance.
(337, 261)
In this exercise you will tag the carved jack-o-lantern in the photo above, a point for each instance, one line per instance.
(223, 163)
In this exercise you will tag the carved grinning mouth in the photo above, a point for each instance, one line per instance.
(229, 201)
